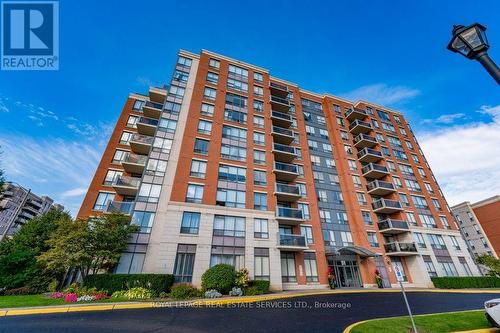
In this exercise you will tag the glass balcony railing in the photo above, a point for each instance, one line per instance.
(368, 151)
(374, 167)
(380, 184)
(291, 213)
(400, 247)
(283, 148)
(278, 86)
(364, 137)
(283, 131)
(120, 207)
(289, 189)
(393, 224)
(127, 181)
(281, 115)
(385, 203)
(280, 100)
(286, 167)
(148, 121)
(140, 138)
(358, 122)
(135, 158)
(154, 105)
(292, 240)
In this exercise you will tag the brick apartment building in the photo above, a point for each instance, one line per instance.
(228, 164)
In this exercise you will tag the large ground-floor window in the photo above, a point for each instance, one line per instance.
(184, 263)
(288, 267)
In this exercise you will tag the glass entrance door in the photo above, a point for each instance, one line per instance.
(346, 274)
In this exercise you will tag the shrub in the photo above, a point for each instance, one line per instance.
(18, 291)
(242, 278)
(184, 291)
(71, 298)
(119, 294)
(452, 282)
(252, 291)
(262, 285)
(157, 283)
(53, 285)
(220, 277)
(236, 292)
(133, 293)
(57, 295)
(86, 298)
(212, 293)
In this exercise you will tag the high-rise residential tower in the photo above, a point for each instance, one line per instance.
(228, 164)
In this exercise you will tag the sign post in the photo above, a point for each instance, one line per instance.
(399, 277)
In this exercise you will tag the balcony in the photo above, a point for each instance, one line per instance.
(280, 104)
(141, 144)
(398, 249)
(282, 135)
(278, 89)
(281, 119)
(289, 216)
(147, 126)
(358, 126)
(157, 95)
(119, 207)
(385, 206)
(393, 227)
(125, 185)
(355, 113)
(288, 242)
(284, 153)
(369, 155)
(134, 163)
(365, 141)
(285, 171)
(374, 171)
(287, 192)
(152, 110)
(381, 188)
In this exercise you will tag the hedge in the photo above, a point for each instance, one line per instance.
(451, 282)
(261, 285)
(113, 282)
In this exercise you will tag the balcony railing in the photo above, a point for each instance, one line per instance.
(358, 126)
(380, 187)
(286, 167)
(284, 148)
(392, 226)
(400, 248)
(148, 121)
(355, 114)
(369, 155)
(281, 115)
(144, 139)
(386, 206)
(120, 207)
(135, 158)
(283, 131)
(289, 213)
(371, 167)
(288, 189)
(127, 181)
(364, 140)
(154, 105)
(275, 85)
(292, 240)
(280, 100)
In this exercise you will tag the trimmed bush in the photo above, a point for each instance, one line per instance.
(133, 293)
(252, 291)
(262, 285)
(157, 283)
(221, 277)
(452, 282)
(184, 291)
(18, 291)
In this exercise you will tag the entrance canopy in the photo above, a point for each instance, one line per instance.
(354, 249)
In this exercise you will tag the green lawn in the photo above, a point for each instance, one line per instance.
(41, 300)
(438, 323)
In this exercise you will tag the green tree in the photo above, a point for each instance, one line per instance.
(491, 263)
(18, 264)
(90, 245)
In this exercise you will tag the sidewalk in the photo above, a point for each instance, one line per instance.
(216, 302)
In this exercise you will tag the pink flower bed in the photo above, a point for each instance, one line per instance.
(71, 298)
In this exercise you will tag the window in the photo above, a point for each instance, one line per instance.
(380, 137)
(437, 241)
(383, 115)
(288, 267)
(259, 178)
(258, 138)
(198, 169)
(201, 146)
(232, 174)
(156, 166)
(258, 105)
(322, 195)
(327, 147)
(236, 116)
(258, 121)
(259, 157)
(415, 158)
(180, 76)
(190, 223)
(397, 182)
(340, 122)
(454, 242)
(342, 217)
(306, 231)
(427, 221)
(261, 269)
(234, 133)
(103, 199)
(336, 108)
(238, 71)
(167, 125)
(369, 110)
(429, 265)
(361, 198)
(144, 220)
(367, 218)
(394, 142)
(375, 123)
(449, 269)
(352, 165)
(409, 145)
(348, 149)
(132, 121)
(184, 62)
(333, 179)
(305, 210)
(310, 130)
(411, 218)
(311, 267)
(385, 151)
(260, 201)
(171, 107)
(356, 180)
(214, 63)
(406, 169)
(391, 166)
(231, 152)
(205, 127)
(404, 199)
(428, 187)
(258, 77)
(421, 172)
(413, 185)
(419, 239)
(111, 176)
(125, 138)
(388, 127)
(231, 226)
(318, 177)
(260, 227)
(313, 145)
(465, 266)
(419, 202)
(237, 85)
(162, 144)
(149, 193)
(372, 238)
(212, 78)
(176, 92)
(325, 216)
(209, 93)
(402, 131)
(346, 238)
(184, 263)
(344, 135)
(400, 155)
(329, 162)
(138, 105)
(207, 109)
(194, 193)
(436, 204)
(258, 91)
(230, 198)
(315, 160)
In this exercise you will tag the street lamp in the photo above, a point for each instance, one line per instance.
(472, 43)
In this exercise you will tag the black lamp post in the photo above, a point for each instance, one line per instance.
(472, 43)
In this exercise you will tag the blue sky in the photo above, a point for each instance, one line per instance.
(54, 125)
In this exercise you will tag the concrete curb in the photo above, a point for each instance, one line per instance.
(482, 330)
(214, 302)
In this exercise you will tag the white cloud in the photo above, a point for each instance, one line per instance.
(445, 119)
(466, 158)
(58, 168)
(383, 94)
